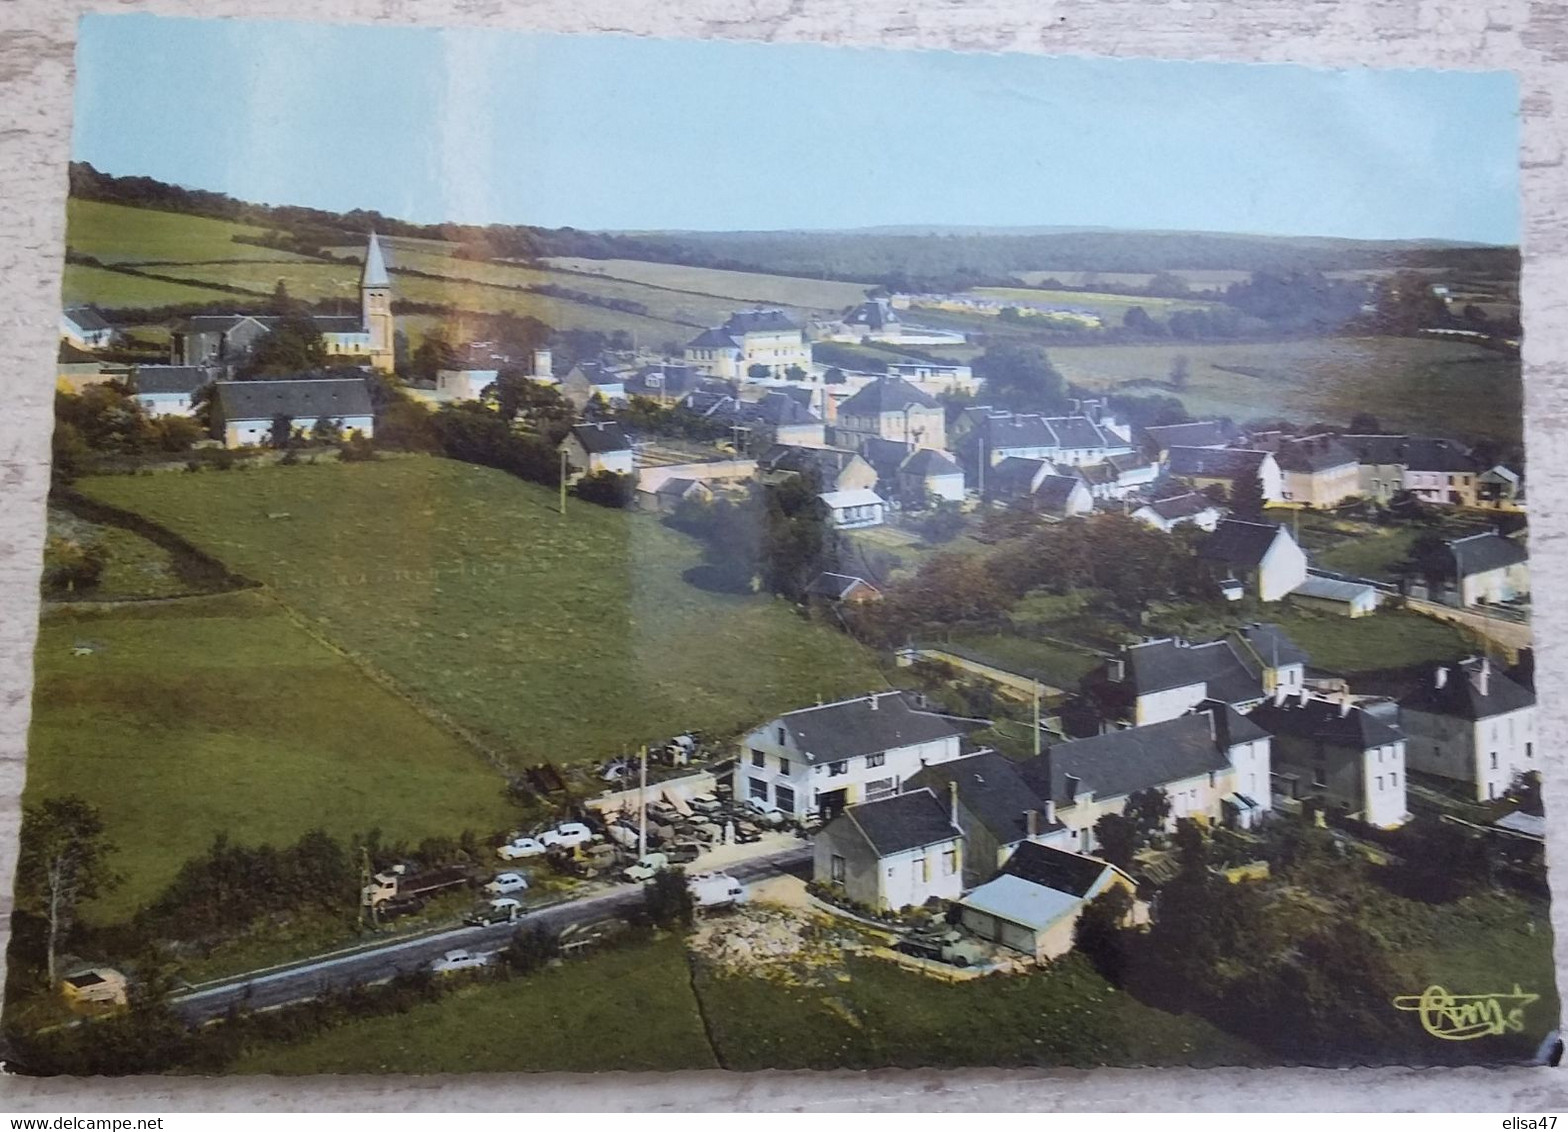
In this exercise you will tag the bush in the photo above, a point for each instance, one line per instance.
(607, 489)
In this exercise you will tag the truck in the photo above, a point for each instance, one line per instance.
(715, 890)
(951, 947)
(400, 889)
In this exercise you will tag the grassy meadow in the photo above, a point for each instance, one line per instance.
(1109, 307)
(116, 290)
(117, 233)
(564, 638)
(752, 287)
(1416, 384)
(219, 714)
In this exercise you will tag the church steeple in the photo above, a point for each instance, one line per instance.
(375, 299)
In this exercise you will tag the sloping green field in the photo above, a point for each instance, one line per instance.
(117, 233)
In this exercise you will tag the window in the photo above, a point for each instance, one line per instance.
(1393, 780)
(781, 737)
(949, 862)
(835, 769)
(758, 789)
(785, 797)
(1529, 750)
(1494, 760)
(758, 758)
(783, 766)
(836, 869)
(922, 871)
(1380, 782)
(875, 760)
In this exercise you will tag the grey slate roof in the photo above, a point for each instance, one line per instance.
(305, 400)
(990, 788)
(1132, 759)
(87, 317)
(1231, 667)
(1460, 696)
(1417, 453)
(902, 822)
(1018, 430)
(600, 437)
(1181, 506)
(873, 314)
(714, 336)
(1012, 476)
(826, 462)
(1476, 554)
(1324, 721)
(928, 462)
(765, 321)
(777, 407)
(1313, 454)
(1081, 432)
(375, 269)
(1055, 491)
(886, 456)
(1238, 542)
(1193, 434)
(1055, 868)
(338, 323)
(171, 379)
(833, 732)
(885, 395)
(1215, 463)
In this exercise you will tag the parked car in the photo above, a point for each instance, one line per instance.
(662, 811)
(746, 833)
(458, 960)
(708, 831)
(683, 852)
(567, 835)
(502, 910)
(706, 804)
(507, 882)
(521, 848)
(645, 868)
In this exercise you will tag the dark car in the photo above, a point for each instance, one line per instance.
(683, 853)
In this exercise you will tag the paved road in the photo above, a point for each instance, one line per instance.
(308, 979)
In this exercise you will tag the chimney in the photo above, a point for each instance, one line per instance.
(952, 802)
(1483, 677)
(1279, 695)
(1050, 811)
(873, 699)
(1032, 823)
(1344, 702)
(543, 364)
(1117, 670)
(1440, 677)
(1072, 784)
(1214, 726)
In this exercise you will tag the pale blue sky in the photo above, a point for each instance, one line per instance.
(489, 126)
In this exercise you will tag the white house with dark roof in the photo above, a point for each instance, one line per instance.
(1316, 471)
(85, 328)
(244, 412)
(1484, 568)
(890, 408)
(599, 446)
(897, 852)
(1072, 440)
(1433, 468)
(1037, 485)
(766, 337)
(1192, 434)
(1115, 477)
(1032, 905)
(1338, 752)
(877, 320)
(851, 510)
(1213, 763)
(1173, 511)
(1337, 595)
(817, 760)
(929, 472)
(1163, 679)
(1473, 724)
(476, 367)
(1203, 467)
(1263, 557)
(168, 391)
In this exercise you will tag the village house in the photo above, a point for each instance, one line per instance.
(949, 378)
(1500, 488)
(750, 338)
(836, 469)
(1338, 753)
(586, 381)
(1434, 469)
(1263, 557)
(1226, 467)
(1317, 471)
(851, 510)
(877, 320)
(845, 588)
(898, 852)
(478, 366)
(1034, 903)
(890, 408)
(817, 760)
(1213, 763)
(1163, 679)
(599, 446)
(1160, 439)
(168, 391)
(1479, 569)
(1117, 477)
(775, 418)
(85, 328)
(672, 492)
(998, 810)
(1337, 595)
(245, 412)
(1036, 484)
(1071, 440)
(1471, 723)
(665, 382)
(1173, 511)
(887, 457)
(929, 473)
(76, 369)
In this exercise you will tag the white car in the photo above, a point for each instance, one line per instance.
(458, 960)
(566, 836)
(520, 848)
(507, 882)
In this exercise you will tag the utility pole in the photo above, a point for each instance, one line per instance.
(563, 481)
(1037, 719)
(982, 468)
(642, 802)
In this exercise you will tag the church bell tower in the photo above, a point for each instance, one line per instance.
(375, 298)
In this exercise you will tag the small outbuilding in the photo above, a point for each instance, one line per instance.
(1335, 595)
(1034, 903)
(95, 990)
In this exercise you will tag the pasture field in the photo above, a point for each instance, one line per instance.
(118, 233)
(823, 295)
(1416, 384)
(112, 289)
(1109, 307)
(563, 638)
(1197, 279)
(220, 714)
(136, 568)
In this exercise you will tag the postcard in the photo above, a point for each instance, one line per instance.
(592, 553)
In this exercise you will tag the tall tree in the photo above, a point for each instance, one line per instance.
(1247, 499)
(63, 861)
(293, 345)
(1019, 376)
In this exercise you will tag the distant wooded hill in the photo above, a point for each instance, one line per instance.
(900, 258)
